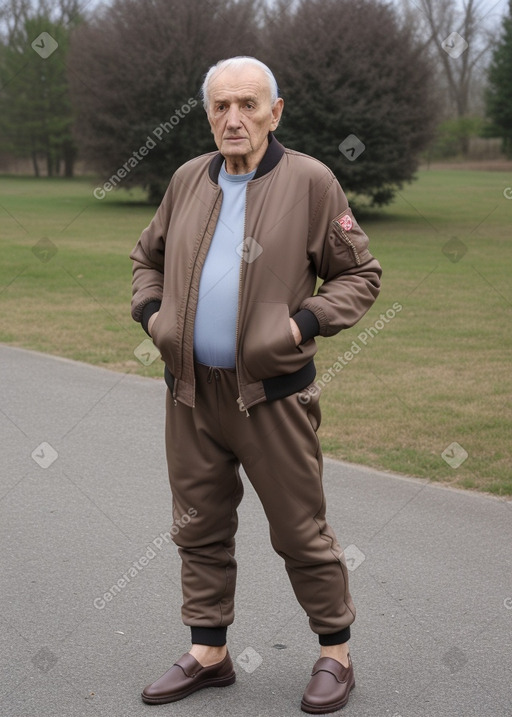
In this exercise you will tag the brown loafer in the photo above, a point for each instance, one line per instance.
(186, 676)
(329, 687)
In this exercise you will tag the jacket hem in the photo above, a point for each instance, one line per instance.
(276, 387)
(282, 386)
(169, 379)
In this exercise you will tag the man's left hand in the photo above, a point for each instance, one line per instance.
(296, 332)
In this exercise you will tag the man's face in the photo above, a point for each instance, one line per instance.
(241, 116)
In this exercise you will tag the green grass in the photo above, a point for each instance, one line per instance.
(437, 373)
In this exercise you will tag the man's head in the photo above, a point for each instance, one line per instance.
(241, 100)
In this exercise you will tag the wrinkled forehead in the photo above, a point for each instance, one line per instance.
(242, 83)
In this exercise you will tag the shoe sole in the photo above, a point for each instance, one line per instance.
(212, 682)
(325, 709)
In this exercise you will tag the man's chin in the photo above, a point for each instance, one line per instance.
(235, 149)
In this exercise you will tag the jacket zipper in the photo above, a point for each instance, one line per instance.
(187, 302)
(345, 237)
(240, 278)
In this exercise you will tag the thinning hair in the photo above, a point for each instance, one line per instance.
(238, 63)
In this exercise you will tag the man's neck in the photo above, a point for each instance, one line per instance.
(247, 164)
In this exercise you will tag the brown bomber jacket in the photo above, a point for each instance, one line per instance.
(298, 215)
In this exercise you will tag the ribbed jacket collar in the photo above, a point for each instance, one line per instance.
(275, 151)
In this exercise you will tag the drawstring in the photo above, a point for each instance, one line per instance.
(212, 371)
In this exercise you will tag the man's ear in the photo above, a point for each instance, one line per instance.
(277, 111)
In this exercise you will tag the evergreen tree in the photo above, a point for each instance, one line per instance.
(346, 67)
(35, 108)
(499, 93)
(357, 88)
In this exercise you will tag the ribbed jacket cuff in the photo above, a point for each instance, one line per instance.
(147, 312)
(307, 323)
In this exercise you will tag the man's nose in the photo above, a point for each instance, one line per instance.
(233, 117)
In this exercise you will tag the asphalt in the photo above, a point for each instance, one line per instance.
(84, 501)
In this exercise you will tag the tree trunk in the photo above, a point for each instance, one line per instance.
(464, 145)
(49, 163)
(35, 164)
(69, 150)
(156, 191)
(507, 147)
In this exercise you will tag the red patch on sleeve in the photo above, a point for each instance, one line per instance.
(346, 222)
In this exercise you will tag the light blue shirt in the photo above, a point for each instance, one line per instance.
(217, 308)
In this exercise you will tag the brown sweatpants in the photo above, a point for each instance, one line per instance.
(280, 452)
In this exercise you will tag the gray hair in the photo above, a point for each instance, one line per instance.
(238, 63)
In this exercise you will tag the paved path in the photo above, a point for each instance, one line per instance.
(431, 571)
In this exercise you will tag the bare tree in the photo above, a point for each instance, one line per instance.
(13, 15)
(461, 40)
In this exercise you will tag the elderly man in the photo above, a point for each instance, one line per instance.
(224, 281)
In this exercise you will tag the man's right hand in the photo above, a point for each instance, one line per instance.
(151, 321)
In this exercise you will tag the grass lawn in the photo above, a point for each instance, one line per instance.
(433, 372)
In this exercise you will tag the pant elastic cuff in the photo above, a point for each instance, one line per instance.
(335, 638)
(213, 636)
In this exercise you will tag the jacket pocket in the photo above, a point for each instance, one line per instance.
(267, 344)
(163, 334)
